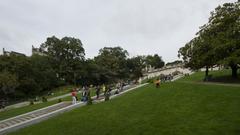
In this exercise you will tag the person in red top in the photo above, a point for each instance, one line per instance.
(74, 94)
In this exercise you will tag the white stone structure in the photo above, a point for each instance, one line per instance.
(165, 71)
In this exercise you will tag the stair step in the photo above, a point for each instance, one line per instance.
(2, 125)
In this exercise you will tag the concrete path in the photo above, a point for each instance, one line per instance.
(26, 103)
(21, 121)
(25, 118)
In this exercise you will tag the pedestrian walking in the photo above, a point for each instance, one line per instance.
(104, 89)
(84, 94)
(118, 88)
(74, 94)
(121, 86)
(98, 91)
(75, 90)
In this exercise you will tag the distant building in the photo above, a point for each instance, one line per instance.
(37, 51)
(8, 53)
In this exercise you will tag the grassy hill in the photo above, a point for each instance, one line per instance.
(175, 108)
(222, 76)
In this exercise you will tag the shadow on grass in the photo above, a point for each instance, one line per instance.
(225, 79)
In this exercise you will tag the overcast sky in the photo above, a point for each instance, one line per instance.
(140, 26)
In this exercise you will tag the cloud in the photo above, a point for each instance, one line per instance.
(140, 26)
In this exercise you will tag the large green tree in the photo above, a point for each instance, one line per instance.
(135, 66)
(224, 25)
(21, 67)
(66, 54)
(43, 72)
(8, 84)
(112, 60)
(154, 61)
(217, 42)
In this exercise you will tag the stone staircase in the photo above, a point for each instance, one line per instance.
(24, 118)
(36, 116)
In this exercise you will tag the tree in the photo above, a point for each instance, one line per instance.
(112, 60)
(8, 84)
(174, 63)
(66, 54)
(217, 42)
(34, 74)
(154, 61)
(43, 72)
(225, 22)
(135, 66)
(198, 53)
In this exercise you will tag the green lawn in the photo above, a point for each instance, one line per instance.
(174, 109)
(61, 91)
(223, 76)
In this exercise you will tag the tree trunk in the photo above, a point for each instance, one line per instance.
(234, 71)
(206, 72)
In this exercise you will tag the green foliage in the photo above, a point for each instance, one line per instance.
(89, 101)
(59, 100)
(217, 42)
(135, 66)
(44, 99)
(150, 80)
(8, 84)
(112, 61)
(29, 76)
(62, 62)
(31, 102)
(155, 61)
(174, 63)
(66, 55)
(107, 97)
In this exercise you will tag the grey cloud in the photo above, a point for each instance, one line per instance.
(140, 26)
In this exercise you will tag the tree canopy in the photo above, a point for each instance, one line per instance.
(217, 42)
(62, 62)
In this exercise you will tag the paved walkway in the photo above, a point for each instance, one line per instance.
(26, 103)
(22, 119)
(36, 116)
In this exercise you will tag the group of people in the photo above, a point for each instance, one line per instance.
(165, 78)
(86, 95)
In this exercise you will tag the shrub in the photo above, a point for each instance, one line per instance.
(59, 100)
(89, 101)
(44, 99)
(107, 96)
(31, 102)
